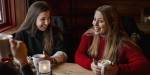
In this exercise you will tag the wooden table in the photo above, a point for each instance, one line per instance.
(71, 69)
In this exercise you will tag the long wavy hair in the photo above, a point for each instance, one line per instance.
(114, 37)
(29, 24)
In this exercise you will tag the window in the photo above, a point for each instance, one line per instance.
(0, 16)
(146, 16)
(7, 14)
(2, 12)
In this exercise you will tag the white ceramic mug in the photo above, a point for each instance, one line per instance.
(36, 58)
(103, 64)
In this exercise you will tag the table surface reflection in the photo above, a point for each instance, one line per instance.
(71, 69)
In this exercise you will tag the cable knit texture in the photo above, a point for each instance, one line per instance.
(131, 60)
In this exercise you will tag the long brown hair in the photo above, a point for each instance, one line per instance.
(29, 23)
(114, 36)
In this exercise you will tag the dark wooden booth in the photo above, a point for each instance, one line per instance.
(77, 15)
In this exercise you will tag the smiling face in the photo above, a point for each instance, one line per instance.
(99, 24)
(43, 20)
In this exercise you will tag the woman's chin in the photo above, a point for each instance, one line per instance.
(42, 29)
(96, 32)
(101, 33)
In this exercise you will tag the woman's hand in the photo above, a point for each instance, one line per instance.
(95, 68)
(50, 58)
(19, 51)
(46, 54)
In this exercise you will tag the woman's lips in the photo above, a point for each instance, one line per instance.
(97, 29)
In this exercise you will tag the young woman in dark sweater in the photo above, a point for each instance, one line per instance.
(40, 34)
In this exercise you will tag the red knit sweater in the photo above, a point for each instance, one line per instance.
(131, 61)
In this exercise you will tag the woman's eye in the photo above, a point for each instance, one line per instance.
(101, 21)
(94, 19)
(42, 19)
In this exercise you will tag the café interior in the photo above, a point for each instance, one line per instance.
(74, 17)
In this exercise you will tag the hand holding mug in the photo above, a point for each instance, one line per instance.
(47, 57)
(95, 67)
(107, 67)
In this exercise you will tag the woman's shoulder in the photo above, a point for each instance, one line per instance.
(23, 32)
(87, 36)
(56, 29)
(20, 34)
(129, 44)
(89, 32)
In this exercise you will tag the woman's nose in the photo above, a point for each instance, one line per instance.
(95, 23)
(46, 22)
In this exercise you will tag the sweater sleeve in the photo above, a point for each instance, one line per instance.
(81, 56)
(137, 63)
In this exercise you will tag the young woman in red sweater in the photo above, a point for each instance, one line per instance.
(107, 40)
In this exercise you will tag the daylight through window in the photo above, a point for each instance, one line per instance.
(2, 12)
(0, 16)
